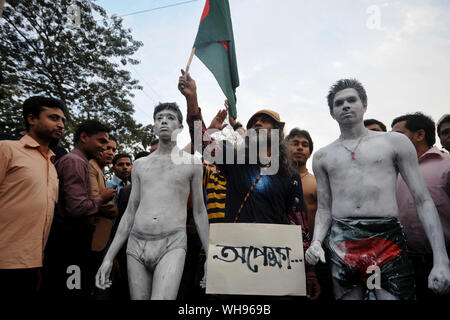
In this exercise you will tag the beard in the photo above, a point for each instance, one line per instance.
(298, 163)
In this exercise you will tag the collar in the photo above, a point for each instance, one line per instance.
(29, 142)
(120, 181)
(95, 165)
(80, 153)
(432, 153)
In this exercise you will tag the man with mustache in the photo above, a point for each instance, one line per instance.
(107, 212)
(28, 193)
(72, 230)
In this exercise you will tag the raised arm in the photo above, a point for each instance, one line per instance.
(126, 223)
(323, 213)
(406, 159)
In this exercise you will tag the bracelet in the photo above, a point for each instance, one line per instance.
(318, 241)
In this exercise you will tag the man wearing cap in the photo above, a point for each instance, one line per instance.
(261, 189)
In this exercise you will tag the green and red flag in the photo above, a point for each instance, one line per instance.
(214, 46)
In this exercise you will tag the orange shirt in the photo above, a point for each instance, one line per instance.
(28, 193)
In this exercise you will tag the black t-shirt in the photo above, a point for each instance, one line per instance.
(273, 199)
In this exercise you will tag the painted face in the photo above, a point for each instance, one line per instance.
(107, 156)
(49, 125)
(95, 144)
(347, 107)
(123, 168)
(374, 127)
(445, 135)
(299, 149)
(166, 122)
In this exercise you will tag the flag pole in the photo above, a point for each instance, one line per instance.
(189, 62)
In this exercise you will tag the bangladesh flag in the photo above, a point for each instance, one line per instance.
(214, 46)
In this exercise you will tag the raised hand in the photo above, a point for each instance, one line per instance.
(187, 85)
(217, 122)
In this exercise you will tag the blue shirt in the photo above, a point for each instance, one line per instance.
(119, 183)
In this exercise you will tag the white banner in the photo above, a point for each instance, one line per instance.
(253, 258)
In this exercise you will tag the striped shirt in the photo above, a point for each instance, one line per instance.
(215, 186)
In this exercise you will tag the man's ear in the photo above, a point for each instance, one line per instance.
(83, 137)
(419, 135)
(31, 119)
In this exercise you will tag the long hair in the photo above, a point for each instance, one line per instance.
(285, 165)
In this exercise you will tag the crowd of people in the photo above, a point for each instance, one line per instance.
(375, 197)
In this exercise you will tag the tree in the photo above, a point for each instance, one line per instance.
(81, 65)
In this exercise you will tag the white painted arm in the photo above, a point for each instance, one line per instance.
(123, 231)
(406, 159)
(199, 212)
(323, 213)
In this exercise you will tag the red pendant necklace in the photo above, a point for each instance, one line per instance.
(354, 149)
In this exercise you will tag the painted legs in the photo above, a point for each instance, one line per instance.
(162, 283)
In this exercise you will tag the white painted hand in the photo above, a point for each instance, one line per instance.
(439, 279)
(203, 281)
(315, 253)
(102, 277)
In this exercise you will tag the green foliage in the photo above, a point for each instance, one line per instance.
(81, 66)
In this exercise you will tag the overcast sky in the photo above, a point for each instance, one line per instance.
(289, 53)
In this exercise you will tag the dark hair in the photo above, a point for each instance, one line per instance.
(120, 156)
(169, 106)
(111, 137)
(34, 105)
(90, 127)
(296, 132)
(369, 122)
(445, 118)
(345, 84)
(141, 154)
(417, 121)
(154, 142)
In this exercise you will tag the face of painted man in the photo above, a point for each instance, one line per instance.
(166, 122)
(348, 107)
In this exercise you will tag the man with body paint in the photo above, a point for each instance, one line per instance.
(356, 180)
(155, 219)
(435, 167)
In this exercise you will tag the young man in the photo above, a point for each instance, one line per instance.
(375, 125)
(301, 147)
(107, 212)
(122, 165)
(71, 235)
(28, 193)
(155, 220)
(435, 167)
(443, 131)
(356, 178)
